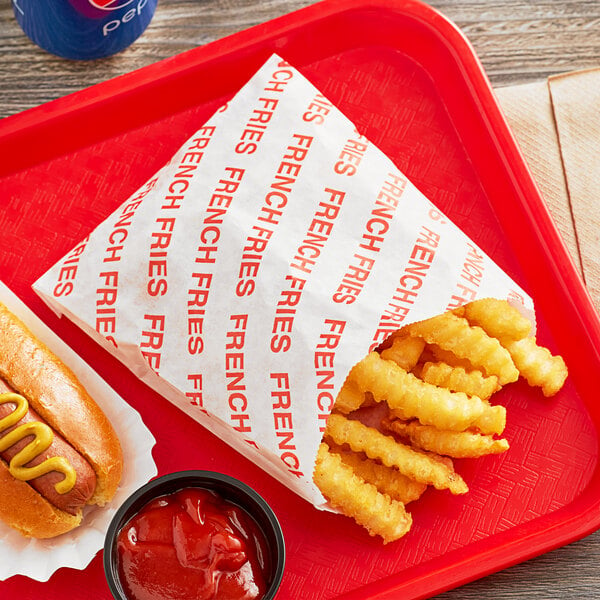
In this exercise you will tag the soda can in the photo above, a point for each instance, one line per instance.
(83, 29)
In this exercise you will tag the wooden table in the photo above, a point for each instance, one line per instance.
(517, 40)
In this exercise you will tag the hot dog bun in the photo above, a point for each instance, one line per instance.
(54, 392)
(29, 512)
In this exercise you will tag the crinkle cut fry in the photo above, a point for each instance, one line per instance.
(493, 420)
(404, 351)
(349, 398)
(376, 445)
(433, 353)
(430, 404)
(458, 379)
(497, 318)
(386, 479)
(457, 444)
(347, 492)
(455, 334)
(538, 366)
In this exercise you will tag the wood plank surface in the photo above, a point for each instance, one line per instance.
(517, 41)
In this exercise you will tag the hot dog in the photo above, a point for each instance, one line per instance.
(58, 450)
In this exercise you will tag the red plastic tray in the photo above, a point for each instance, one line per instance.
(412, 83)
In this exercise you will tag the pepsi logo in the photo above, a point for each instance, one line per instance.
(110, 4)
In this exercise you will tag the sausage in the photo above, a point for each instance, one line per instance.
(71, 501)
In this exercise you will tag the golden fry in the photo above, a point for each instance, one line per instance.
(497, 318)
(347, 492)
(376, 445)
(538, 366)
(387, 480)
(493, 420)
(404, 351)
(433, 353)
(415, 398)
(458, 379)
(457, 444)
(349, 398)
(455, 334)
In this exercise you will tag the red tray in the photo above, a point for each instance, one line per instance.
(412, 83)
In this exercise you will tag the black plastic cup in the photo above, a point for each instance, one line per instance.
(227, 487)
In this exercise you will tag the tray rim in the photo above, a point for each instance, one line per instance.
(419, 581)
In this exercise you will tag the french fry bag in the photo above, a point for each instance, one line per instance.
(275, 249)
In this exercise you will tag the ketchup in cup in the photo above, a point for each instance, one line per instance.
(193, 543)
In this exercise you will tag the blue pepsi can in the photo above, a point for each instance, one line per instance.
(83, 29)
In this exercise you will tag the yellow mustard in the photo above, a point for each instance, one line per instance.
(42, 438)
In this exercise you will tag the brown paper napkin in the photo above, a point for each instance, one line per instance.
(557, 125)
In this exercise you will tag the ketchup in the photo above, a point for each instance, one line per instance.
(192, 544)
